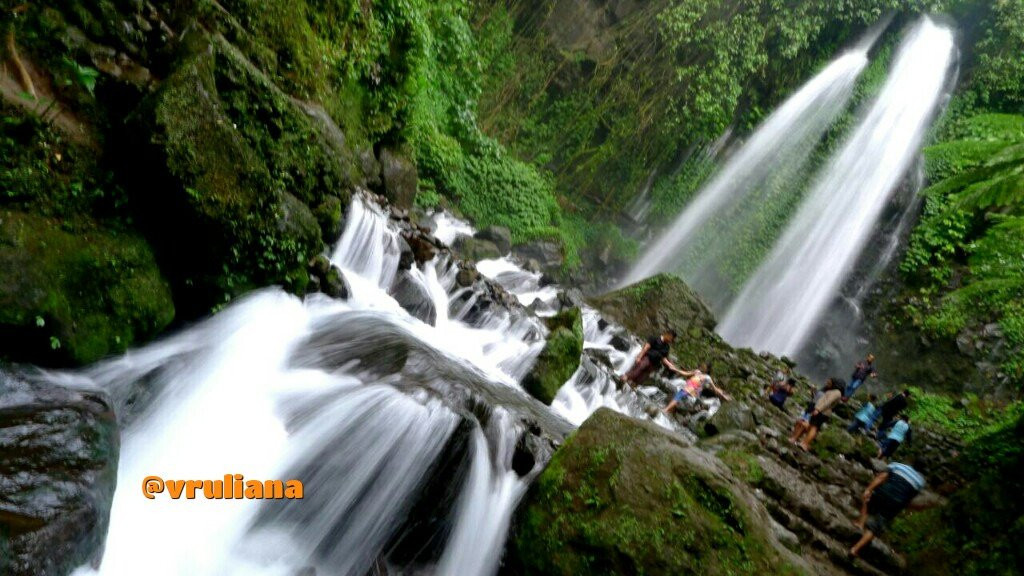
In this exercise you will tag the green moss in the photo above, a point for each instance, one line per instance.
(623, 498)
(77, 296)
(560, 357)
(744, 465)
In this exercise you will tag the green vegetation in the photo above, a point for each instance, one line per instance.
(966, 257)
(979, 531)
(967, 419)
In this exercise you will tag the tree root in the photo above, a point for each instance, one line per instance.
(23, 76)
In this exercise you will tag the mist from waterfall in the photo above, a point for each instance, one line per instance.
(780, 304)
(766, 164)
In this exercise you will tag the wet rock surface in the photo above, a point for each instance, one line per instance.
(58, 467)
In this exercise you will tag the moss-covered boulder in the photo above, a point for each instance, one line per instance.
(659, 302)
(226, 151)
(73, 294)
(623, 496)
(665, 301)
(560, 357)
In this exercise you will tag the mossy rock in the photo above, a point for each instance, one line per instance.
(665, 301)
(230, 156)
(560, 357)
(72, 296)
(657, 303)
(623, 496)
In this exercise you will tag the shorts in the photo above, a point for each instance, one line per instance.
(818, 421)
(889, 446)
(881, 510)
(681, 396)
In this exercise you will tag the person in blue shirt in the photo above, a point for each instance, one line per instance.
(884, 498)
(898, 434)
(865, 417)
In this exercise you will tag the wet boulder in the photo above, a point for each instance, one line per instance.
(624, 496)
(58, 468)
(560, 357)
(546, 254)
(414, 297)
(500, 235)
(475, 249)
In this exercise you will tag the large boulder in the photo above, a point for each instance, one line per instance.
(500, 235)
(58, 467)
(475, 249)
(72, 297)
(664, 301)
(732, 416)
(624, 496)
(400, 178)
(560, 357)
(546, 253)
(659, 302)
(221, 148)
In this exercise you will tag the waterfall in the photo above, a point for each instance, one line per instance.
(780, 304)
(766, 163)
(404, 433)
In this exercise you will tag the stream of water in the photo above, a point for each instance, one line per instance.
(780, 305)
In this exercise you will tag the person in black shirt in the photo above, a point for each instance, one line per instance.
(653, 356)
(890, 410)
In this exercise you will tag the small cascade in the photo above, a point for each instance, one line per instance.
(781, 303)
(766, 164)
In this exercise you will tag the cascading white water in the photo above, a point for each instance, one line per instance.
(358, 399)
(779, 305)
(776, 150)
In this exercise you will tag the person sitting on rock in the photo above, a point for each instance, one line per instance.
(885, 497)
(890, 410)
(779, 391)
(861, 372)
(865, 417)
(697, 382)
(898, 434)
(820, 415)
(653, 356)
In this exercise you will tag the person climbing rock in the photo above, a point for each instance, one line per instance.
(897, 435)
(861, 372)
(697, 382)
(884, 498)
(890, 410)
(653, 356)
(778, 392)
(820, 415)
(865, 417)
(804, 420)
